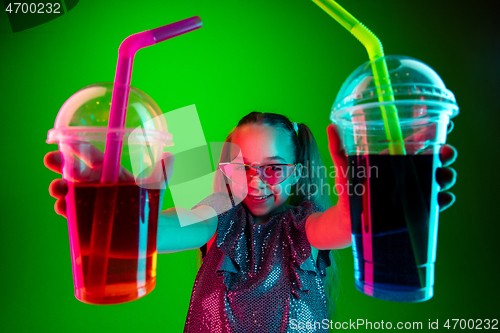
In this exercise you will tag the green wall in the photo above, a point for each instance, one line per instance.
(268, 55)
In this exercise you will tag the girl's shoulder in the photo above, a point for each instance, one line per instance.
(307, 206)
(299, 214)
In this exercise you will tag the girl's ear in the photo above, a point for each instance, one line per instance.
(297, 173)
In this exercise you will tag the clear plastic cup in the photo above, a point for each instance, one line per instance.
(393, 198)
(112, 227)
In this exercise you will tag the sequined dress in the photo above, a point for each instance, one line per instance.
(259, 278)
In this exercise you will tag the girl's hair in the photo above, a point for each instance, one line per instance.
(310, 186)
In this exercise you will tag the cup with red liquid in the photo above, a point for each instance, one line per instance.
(393, 196)
(112, 226)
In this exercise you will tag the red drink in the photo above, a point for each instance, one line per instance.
(126, 267)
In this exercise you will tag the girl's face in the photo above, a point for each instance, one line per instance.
(262, 145)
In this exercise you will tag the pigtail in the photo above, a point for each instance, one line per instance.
(313, 185)
(220, 183)
(313, 181)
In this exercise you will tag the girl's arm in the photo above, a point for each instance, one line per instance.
(329, 230)
(197, 228)
(332, 228)
(199, 224)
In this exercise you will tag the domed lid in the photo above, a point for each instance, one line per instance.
(85, 116)
(411, 81)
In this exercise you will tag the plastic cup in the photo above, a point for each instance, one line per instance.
(393, 198)
(112, 227)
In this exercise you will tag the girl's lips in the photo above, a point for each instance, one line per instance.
(259, 199)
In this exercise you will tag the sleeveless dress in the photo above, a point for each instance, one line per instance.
(258, 278)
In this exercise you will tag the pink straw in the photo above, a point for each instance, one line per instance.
(119, 99)
(102, 225)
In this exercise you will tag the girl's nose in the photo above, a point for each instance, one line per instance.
(256, 182)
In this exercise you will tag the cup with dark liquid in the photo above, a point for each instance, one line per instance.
(393, 192)
(112, 226)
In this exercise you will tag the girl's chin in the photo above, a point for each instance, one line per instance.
(264, 211)
(258, 207)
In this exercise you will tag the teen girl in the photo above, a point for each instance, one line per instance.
(265, 269)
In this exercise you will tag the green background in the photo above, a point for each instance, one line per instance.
(267, 55)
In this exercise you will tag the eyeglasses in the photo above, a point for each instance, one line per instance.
(272, 174)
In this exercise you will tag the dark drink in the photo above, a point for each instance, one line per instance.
(394, 216)
(126, 266)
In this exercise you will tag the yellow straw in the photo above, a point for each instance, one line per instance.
(380, 73)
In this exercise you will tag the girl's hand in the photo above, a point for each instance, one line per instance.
(90, 170)
(58, 188)
(445, 176)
